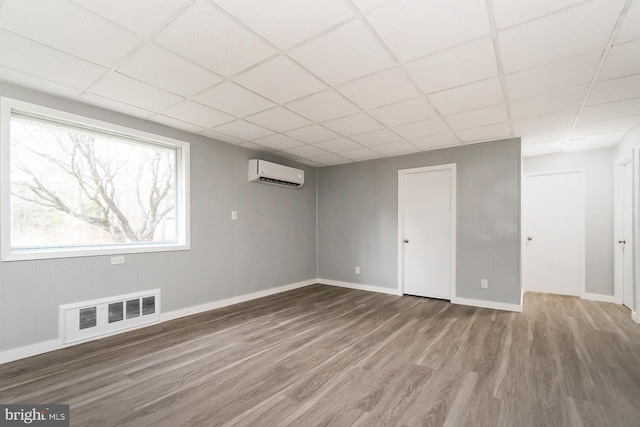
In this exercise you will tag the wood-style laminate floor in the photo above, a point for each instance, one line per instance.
(323, 355)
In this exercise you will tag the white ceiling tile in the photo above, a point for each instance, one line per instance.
(133, 92)
(280, 80)
(323, 106)
(360, 154)
(175, 123)
(436, 141)
(350, 45)
(305, 151)
(468, 97)
(456, 66)
(480, 117)
(363, 5)
(233, 99)
(628, 107)
(623, 60)
(422, 128)
(615, 90)
(513, 12)
(92, 38)
(112, 105)
(278, 142)
(204, 35)
(593, 141)
(352, 125)
(485, 133)
(547, 103)
(37, 83)
(376, 137)
(580, 30)
(244, 130)
(310, 163)
(630, 29)
(337, 145)
(558, 134)
(255, 147)
(412, 28)
(559, 75)
(141, 16)
(301, 19)
(197, 114)
(312, 134)
(605, 126)
(24, 55)
(381, 88)
(329, 159)
(395, 148)
(159, 67)
(214, 134)
(545, 121)
(279, 119)
(404, 112)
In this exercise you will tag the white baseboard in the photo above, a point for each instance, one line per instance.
(359, 286)
(599, 297)
(189, 311)
(47, 346)
(487, 304)
(29, 350)
(635, 317)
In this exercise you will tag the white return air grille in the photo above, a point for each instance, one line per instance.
(91, 319)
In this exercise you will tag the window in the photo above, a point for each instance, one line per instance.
(74, 186)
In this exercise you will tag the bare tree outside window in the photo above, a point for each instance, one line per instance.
(76, 187)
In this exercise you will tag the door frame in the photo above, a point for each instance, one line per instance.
(618, 210)
(583, 270)
(402, 173)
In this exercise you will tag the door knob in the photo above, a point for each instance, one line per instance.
(622, 241)
(406, 241)
(529, 238)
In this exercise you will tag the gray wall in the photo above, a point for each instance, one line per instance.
(272, 243)
(598, 170)
(358, 219)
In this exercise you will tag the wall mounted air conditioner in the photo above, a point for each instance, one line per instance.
(273, 173)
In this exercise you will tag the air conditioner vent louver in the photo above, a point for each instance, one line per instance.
(273, 173)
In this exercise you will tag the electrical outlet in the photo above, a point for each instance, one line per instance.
(117, 260)
(357, 270)
(484, 283)
(234, 215)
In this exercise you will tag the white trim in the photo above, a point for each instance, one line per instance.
(488, 304)
(189, 311)
(451, 167)
(7, 356)
(635, 317)
(56, 344)
(359, 286)
(8, 105)
(599, 297)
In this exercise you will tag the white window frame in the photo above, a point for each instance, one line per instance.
(7, 107)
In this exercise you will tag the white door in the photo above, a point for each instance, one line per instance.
(627, 237)
(427, 230)
(554, 229)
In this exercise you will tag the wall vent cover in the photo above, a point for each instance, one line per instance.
(87, 320)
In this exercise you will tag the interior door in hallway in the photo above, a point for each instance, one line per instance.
(554, 229)
(427, 230)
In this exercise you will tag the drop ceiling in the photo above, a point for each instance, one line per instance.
(334, 81)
